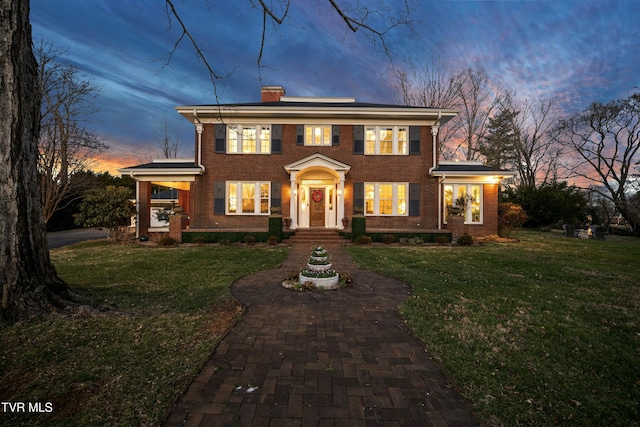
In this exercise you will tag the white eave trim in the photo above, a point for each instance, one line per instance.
(337, 115)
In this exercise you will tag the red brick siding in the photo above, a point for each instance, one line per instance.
(364, 168)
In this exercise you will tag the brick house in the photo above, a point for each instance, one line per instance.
(316, 161)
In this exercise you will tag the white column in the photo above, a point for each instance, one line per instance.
(434, 133)
(293, 203)
(340, 201)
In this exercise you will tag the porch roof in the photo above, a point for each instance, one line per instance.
(165, 170)
(468, 168)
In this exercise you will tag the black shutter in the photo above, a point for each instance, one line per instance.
(299, 134)
(219, 188)
(276, 139)
(335, 135)
(358, 197)
(276, 194)
(358, 140)
(414, 139)
(414, 199)
(221, 138)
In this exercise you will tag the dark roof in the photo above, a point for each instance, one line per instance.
(466, 168)
(319, 104)
(166, 165)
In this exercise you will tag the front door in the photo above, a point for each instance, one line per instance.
(316, 212)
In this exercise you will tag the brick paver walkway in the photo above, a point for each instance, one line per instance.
(326, 358)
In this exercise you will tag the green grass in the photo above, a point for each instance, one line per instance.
(544, 331)
(124, 369)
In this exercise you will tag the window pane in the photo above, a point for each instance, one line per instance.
(233, 198)
(475, 203)
(317, 135)
(402, 199)
(265, 139)
(326, 135)
(232, 139)
(370, 199)
(248, 198)
(308, 135)
(264, 198)
(370, 142)
(448, 195)
(386, 140)
(248, 140)
(402, 140)
(386, 199)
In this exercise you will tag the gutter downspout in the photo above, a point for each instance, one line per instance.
(435, 127)
(440, 182)
(199, 129)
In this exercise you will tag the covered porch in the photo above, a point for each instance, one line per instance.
(171, 173)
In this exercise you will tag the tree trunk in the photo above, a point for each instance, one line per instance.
(30, 285)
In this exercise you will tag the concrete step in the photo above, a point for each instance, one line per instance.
(322, 235)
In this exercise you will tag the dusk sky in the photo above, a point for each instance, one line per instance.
(577, 51)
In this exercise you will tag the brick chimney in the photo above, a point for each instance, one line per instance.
(272, 93)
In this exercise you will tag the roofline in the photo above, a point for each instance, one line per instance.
(289, 114)
(450, 173)
(133, 171)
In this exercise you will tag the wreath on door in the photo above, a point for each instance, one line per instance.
(316, 195)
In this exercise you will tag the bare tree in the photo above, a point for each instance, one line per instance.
(362, 17)
(603, 145)
(29, 281)
(168, 142)
(65, 146)
(479, 98)
(535, 153)
(434, 86)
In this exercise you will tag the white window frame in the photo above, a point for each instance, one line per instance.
(239, 149)
(238, 202)
(325, 142)
(468, 214)
(395, 199)
(395, 142)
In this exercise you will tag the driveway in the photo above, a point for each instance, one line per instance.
(58, 239)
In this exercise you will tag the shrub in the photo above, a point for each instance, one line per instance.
(167, 241)
(363, 240)
(441, 240)
(200, 240)
(249, 240)
(465, 240)
(510, 216)
(272, 240)
(388, 238)
(415, 240)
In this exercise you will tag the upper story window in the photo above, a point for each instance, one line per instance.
(317, 135)
(249, 139)
(386, 140)
(468, 195)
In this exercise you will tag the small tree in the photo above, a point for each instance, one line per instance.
(108, 207)
(510, 217)
(550, 203)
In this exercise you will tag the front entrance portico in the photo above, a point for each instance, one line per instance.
(317, 192)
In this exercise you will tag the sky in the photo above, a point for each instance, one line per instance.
(575, 51)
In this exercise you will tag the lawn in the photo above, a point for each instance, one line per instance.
(169, 307)
(544, 331)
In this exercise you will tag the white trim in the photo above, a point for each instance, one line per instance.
(394, 198)
(394, 141)
(256, 198)
(317, 160)
(347, 115)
